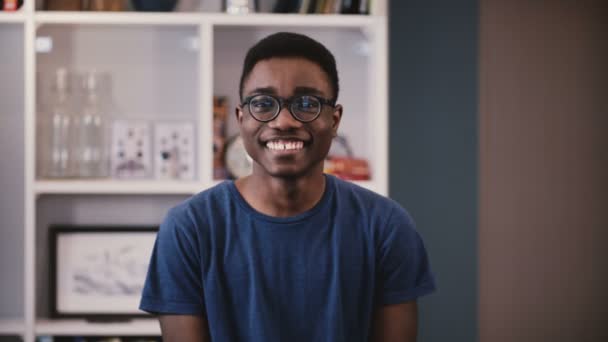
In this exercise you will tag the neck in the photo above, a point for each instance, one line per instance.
(279, 196)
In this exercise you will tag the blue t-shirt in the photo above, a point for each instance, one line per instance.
(316, 276)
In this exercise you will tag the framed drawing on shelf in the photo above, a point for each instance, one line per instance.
(98, 272)
(174, 150)
(131, 151)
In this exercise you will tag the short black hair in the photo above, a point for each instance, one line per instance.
(289, 44)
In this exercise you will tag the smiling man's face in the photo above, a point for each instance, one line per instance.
(285, 147)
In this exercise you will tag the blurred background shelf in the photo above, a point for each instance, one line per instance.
(124, 18)
(133, 187)
(181, 18)
(11, 327)
(81, 327)
(13, 17)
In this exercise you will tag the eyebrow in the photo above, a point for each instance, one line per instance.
(297, 91)
(307, 90)
(263, 90)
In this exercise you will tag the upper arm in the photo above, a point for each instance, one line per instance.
(174, 282)
(403, 275)
(403, 270)
(395, 323)
(184, 328)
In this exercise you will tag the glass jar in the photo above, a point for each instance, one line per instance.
(56, 117)
(91, 125)
(240, 6)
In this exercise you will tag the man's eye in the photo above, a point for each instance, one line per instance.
(307, 103)
(263, 103)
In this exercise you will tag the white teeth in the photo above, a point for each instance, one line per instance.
(285, 145)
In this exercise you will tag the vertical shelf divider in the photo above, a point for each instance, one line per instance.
(30, 175)
(379, 99)
(377, 73)
(205, 128)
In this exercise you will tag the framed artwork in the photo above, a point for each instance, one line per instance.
(131, 151)
(174, 150)
(98, 272)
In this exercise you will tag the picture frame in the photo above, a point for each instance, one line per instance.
(98, 272)
(131, 151)
(174, 150)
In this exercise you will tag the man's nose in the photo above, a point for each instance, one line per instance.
(285, 121)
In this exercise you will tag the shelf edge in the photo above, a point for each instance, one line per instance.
(143, 327)
(117, 187)
(11, 327)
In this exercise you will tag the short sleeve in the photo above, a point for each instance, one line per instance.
(174, 283)
(404, 272)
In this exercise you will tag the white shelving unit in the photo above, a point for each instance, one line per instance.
(164, 66)
(136, 327)
(140, 187)
(11, 327)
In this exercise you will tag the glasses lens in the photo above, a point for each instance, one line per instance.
(306, 108)
(263, 107)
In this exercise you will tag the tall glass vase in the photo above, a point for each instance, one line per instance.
(55, 123)
(91, 126)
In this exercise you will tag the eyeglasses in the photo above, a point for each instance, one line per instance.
(304, 108)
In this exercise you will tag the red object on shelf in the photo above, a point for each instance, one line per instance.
(347, 168)
(11, 5)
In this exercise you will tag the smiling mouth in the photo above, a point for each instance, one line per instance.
(285, 145)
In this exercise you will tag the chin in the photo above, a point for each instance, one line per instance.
(286, 171)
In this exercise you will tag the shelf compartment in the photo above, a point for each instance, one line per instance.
(89, 210)
(153, 70)
(11, 327)
(134, 327)
(117, 187)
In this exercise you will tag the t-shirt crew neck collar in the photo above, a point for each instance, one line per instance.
(329, 189)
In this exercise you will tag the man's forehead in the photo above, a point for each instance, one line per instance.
(296, 75)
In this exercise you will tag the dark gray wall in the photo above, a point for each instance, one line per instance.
(433, 157)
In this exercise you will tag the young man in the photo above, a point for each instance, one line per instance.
(287, 253)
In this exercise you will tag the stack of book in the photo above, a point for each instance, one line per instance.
(323, 6)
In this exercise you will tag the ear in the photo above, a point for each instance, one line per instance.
(336, 117)
(238, 112)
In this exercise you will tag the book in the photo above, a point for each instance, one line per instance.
(304, 6)
(287, 6)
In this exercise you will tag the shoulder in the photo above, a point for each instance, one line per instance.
(351, 194)
(208, 200)
(384, 217)
(196, 211)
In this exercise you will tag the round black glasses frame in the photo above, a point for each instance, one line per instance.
(289, 103)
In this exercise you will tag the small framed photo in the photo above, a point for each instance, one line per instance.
(131, 151)
(174, 150)
(98, 272)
